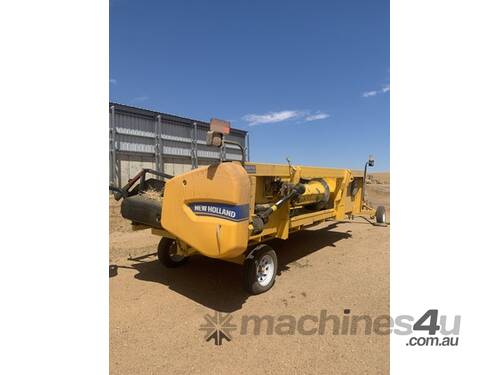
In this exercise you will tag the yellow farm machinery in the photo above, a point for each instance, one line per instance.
(230, 210)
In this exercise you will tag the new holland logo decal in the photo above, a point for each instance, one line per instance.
(223, 211)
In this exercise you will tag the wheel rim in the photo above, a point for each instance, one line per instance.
(383, 217)
(265, 270)
(172, 253)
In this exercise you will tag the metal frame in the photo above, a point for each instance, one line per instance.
(158, 145)
(122, 192)
(113, 149)
(242, 149)
(194, 146)
(247, 146)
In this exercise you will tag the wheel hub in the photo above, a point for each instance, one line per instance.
(265, 270)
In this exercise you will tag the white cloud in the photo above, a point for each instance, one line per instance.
(274, 117)
(383, 90)
(317, 116)
(113, 81)
(367, 94)
(271, 117)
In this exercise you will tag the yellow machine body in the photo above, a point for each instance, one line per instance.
(210, 210)
(207, 209)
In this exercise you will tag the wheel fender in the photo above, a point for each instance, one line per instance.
(250, 254)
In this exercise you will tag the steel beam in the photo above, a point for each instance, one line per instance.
(194, 146)
(114, 178)
(158, 145)
(247, 146)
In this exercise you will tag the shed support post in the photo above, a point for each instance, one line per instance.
(247, 146)
(114, 179)
(194, 146)
(158, 146)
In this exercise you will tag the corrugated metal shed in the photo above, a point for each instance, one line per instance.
(140, 138)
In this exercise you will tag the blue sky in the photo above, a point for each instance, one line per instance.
(309, 80)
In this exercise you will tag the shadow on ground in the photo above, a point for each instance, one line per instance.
(217, 284)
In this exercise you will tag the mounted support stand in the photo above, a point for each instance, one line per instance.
(215, 137)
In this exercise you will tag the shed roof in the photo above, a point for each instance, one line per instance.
(153, 114)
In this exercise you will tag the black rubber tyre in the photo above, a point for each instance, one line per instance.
(166, 253)
(255, 278)
(380, 215)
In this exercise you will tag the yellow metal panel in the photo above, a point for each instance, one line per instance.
(253, 183)
(217, 237)
(265, 232)
(281, 170)
(277, 170)
(312, 217)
